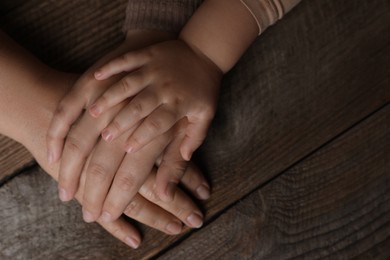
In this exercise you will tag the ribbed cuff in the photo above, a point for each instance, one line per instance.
(161, 15)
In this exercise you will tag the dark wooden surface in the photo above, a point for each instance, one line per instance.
(297, 155)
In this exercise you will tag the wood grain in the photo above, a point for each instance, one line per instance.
(13, 157)
(333, 205)
(315, 74)
(309, 78)
(35, 225)
(9, 5)
(68, 35)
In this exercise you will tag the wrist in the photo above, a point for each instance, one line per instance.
(222, 30)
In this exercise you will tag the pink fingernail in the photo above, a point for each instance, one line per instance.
(63, 194)
(195, 220)
(87, 216)
(50, 157)
(174, 227)
(95, 110)
(203, 192)
(98, 74)
(132, 242)
(107, 135)
(106, 217)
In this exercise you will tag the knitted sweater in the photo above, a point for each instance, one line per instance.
(171, 15)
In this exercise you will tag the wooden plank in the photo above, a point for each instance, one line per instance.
(13, 157)
(35, 225)
(8, 5)
(68, 35)
(333, 205)
(306, 80)
(310, 77)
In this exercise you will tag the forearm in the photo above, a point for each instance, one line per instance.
(223, 29)
(30, 91)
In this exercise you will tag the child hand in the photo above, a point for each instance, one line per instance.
(166, 81)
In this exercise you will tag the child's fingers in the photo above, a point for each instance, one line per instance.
(141, 106)
(157, 123)
(130, 176)
(66, 114)
(195, 134)
(126, 62)
(99, 175)
(127, 87)
(181, 206)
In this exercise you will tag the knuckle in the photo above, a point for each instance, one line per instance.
(137, 109)
(117, 125)
(97, 172)
(180, 212)
(133, 209)
(154, 126)
(208, 112)
(151, 195)
(127, 182)
(125, 85)
(74, 145)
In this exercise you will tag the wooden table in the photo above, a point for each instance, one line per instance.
(298, 154)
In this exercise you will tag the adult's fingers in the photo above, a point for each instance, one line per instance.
(100, 171)
(68, 110)
(130, 176)
(152, 215)
(120, 228)
(79, 144)
(181, 206)
(172, 166)
(195, 182)
(124, 231)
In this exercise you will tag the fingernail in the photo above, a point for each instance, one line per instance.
(63, 194)
(132, 242)
(107, 136)
(98, 74)
(203, 192)
(87, 216)
(106, 217)
(95, 110)
(195, 220)
(174, 227)
(188, 156)
(50, 157)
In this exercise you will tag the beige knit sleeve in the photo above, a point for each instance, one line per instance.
(161, 15)
(267, 12)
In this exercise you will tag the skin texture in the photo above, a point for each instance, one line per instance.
(157, 81)
(30, 95)
(101, 198)
(169, 88)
